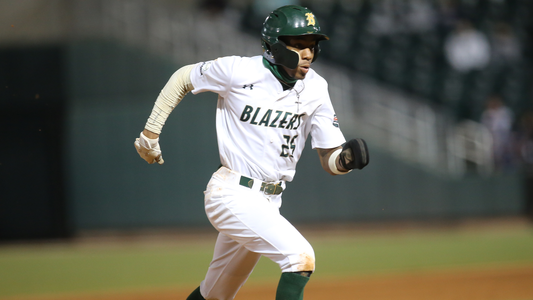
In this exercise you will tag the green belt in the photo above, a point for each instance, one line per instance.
(267, 188)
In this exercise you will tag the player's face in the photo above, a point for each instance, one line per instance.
(305, 47)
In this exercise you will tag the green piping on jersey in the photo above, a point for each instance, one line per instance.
(280, 74)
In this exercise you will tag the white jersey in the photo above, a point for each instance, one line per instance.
(262, 129)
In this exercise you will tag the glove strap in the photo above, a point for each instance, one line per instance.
(148, 143)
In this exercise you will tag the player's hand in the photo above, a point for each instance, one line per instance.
(354, 155)
(149, 149)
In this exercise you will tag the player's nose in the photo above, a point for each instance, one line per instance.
(306, 54)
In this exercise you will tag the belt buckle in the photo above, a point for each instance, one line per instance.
(271, 189)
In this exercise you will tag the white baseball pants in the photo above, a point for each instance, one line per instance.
(249, 225)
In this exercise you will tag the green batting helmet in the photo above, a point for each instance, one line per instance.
(289, 20)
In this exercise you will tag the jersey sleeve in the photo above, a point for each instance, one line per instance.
(325, 131)
(214, 75)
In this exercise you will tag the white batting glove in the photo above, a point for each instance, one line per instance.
(149, 149)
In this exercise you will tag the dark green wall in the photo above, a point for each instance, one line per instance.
(388, 189)
(110, 186)
(112, 90)
(32, 99)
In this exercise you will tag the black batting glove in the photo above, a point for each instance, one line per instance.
(354, 155)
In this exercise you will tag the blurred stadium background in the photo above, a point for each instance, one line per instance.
(442, 90)
(414, 78)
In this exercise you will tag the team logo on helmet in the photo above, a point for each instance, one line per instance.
(310, 19)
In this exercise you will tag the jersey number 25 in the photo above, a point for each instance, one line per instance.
(287, 150)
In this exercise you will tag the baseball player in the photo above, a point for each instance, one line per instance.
(267, 107)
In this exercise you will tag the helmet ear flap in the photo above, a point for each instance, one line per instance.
(279, 54)
(284, 56)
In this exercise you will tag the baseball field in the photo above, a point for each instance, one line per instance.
(490, 259)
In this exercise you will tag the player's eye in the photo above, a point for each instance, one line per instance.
(301, 47)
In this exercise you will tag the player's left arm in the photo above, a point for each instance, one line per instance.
(343, 159)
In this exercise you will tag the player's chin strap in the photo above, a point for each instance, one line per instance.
(279, 73)
(176, 88)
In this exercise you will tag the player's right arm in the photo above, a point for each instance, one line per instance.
(324, 155)
(343, 159)
(147, 144)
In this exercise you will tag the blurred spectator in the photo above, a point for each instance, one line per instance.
(466, 48)
(263, 8)
(382, 19)
(505, 45)
(525, 139)
(498, 118)
(214, 7)
(420, 16)
(525, 149)
(448, 11)
(393, 16)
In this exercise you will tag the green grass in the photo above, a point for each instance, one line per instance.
(49, 269)
(67, 269)
(423, 251)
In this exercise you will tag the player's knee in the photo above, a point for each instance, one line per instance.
(305, 262)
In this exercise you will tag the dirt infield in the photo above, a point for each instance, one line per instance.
(502, 283)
